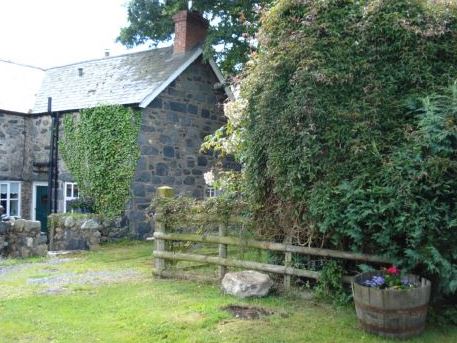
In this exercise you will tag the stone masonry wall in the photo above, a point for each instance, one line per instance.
(12, 145)
(22, 238)
(72, 231)
(24, 142)
(172, 130)
(4, 227)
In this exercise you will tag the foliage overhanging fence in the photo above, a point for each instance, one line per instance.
(160, 253)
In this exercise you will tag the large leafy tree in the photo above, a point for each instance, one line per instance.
(341, 145)
(231, 36)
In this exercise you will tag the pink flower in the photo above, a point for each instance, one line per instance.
(393, 270)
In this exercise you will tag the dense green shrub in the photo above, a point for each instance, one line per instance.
(337, 142)
(330, 284)
(100, 149)
(81, 205)
(409, 209)
(183, 211)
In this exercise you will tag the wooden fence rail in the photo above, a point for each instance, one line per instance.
(160, 253)
(249, 243)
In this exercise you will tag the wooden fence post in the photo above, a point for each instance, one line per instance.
(162, 192)
(222, 250)
(287, 263)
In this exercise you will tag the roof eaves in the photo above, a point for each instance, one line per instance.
(156, 91)
(22, 65)
(221, 79)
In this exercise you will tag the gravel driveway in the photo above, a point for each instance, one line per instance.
(55, 275)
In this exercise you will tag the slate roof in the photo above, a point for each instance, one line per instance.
(125, 79)
(18, 86)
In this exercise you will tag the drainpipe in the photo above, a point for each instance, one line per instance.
(53, 171)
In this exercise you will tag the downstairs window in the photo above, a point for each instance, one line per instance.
(10, 198)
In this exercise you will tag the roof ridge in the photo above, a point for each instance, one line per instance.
(109, 57)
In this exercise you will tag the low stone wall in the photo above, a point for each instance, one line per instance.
(22, 238)
(114, 230)
(3, 239)
(73, 232)
(83, 231)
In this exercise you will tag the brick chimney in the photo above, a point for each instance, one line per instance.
(190, 30)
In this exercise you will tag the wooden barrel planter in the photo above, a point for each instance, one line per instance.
(396, 313)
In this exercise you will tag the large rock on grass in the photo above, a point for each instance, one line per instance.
(247, 283)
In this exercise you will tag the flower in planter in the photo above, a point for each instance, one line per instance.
(393, 270)
(392, 279)
(375, 281)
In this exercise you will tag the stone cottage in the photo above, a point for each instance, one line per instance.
(180, 97)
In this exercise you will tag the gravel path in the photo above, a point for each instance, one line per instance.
(87, 278)
(61, 280)
(6, 271)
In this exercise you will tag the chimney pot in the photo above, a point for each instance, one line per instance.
(191, 29)
(80, 71)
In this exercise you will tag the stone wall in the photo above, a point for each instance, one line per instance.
(12, 145)
(83, 231)
(22, 238)
(24, 147)
(114, 230)
(3, 239)
(172, 130)
(73, 232)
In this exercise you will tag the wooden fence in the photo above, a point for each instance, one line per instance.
(223, 261)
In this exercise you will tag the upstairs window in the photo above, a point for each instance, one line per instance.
(10, 198)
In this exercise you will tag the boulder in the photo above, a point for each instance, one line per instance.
(69, 221)
(29, 242)
(41, 250)
(30, 225)
(4, 228)
(247, 283)
(18, 224)
(90, 224)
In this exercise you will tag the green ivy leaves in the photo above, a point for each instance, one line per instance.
(99, 147)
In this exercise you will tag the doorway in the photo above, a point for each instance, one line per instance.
(40, 204)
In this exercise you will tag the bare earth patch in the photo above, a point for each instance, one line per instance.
(247, 312)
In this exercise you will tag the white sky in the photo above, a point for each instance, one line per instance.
(46, 33)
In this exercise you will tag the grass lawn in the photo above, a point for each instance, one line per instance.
(112, 297)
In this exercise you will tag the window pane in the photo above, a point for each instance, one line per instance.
(3, 203)
(14, 210)
(14, 191)
(210, 192)
(3, 191)
(75, 191)
(68, 192)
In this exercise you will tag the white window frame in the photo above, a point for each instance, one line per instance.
(8, 194)
(72, 197)
(211, 192)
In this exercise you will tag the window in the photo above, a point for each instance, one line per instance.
(211, 192)
(71, 192)
(10, 198)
